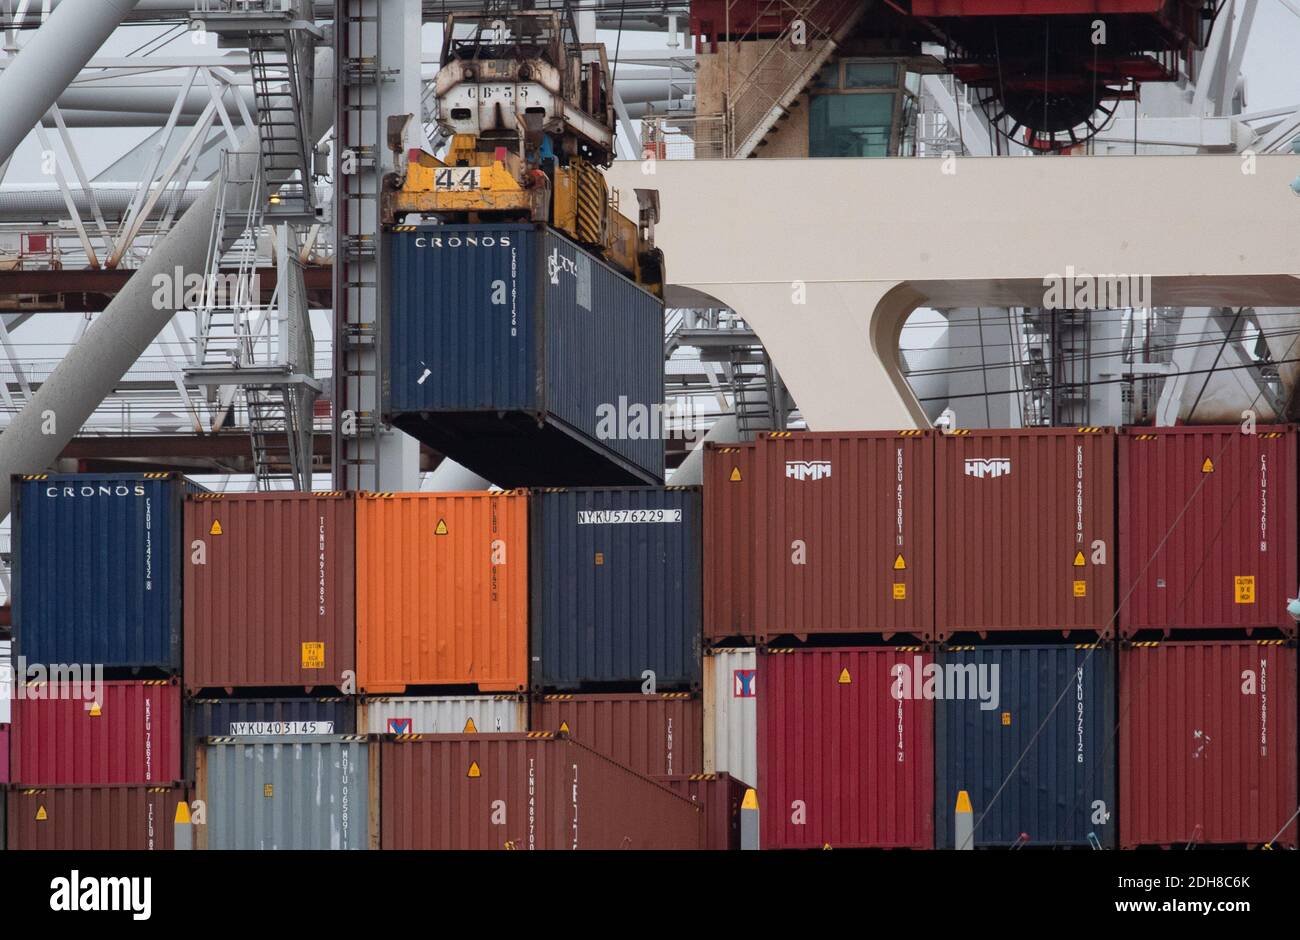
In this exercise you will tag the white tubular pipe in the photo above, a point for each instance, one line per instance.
(451, 477)
(691, 470)
(120, 335)
(51, 59)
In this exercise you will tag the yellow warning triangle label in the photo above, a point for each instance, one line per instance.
(1208, 466)
(469, 727)
(41, 815)
(216, 527)
(564, 726)
(182, 813)
(95, 710)
(735, 475)
(1079, 561)
(899, 564)
(441, 528)
(844, 676)
(473, 769)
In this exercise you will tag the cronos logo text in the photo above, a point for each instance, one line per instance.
(983, 467)
(97, 489)
(807, 469)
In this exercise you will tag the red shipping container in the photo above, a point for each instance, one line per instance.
(729, 514)
(721, 796)
(4, 755)
(273, 603)
(1025, 526)
(135, 819)
(845, 533)
(1207, 528)
(524, 791)
(842, 760)
(127, 733)
(1207, 743)
(657, 735)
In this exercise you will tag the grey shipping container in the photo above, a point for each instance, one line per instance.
(295, 792)
(264, 717)
(522, 356)
(994, 699)
(615, 588)
(442, 714)
(97, 569)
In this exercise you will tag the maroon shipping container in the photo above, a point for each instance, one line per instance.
(1207, 743)
(524, 791)
(80, 818)
(1207, 527)
(1025, 526)
(845, 533)
(4, 754)
(128, 733)
(729, 519)
(657, 735)
(273, 602)
(842, 760)
(721, 796)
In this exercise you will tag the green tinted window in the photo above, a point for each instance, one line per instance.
(870, 74)
(850, 125)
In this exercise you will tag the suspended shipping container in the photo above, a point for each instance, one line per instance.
(442, 591)
(443, 714)
(73, 819)
(1041, 784)
(720, 795)
(112, 733)
(97, 569)
(295, 792)
(1207, 527)
(1207, 744)
(657, 734)
(730, 515)
(269, 587)
(523, 357)
(616, 587)
(843, 761)
(845, 525)
(1025, 530)
(535, 791)
(731, 713)
(264, 718)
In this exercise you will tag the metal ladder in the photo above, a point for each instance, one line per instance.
(282, 109)
(756, 393)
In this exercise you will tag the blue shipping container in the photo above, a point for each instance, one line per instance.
(97, 569)
(994, 701)
(264, 717)
(522, 356)
(615, 587)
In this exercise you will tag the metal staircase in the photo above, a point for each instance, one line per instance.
(786, 66)
(757, 394)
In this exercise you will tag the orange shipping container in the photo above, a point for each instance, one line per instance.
(442, 591)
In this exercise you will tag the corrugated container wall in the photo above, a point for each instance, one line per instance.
(1207, 527)
(655, 735)
(442, 591)
(721, 796)
(845, 526)
(4, 755)
(97, 569)
(70, 819)
(535, 791)
(295, 792)
(731, 713)
(842, 761)
(1059, 777)
(271, 605)
(729, 519)
(6, 681)
(117, 733)
(443, 714)
(1025, 525)
(264, 717)
(616, 587)
(1207, 743)
(523, 357)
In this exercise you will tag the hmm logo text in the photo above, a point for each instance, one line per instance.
(981, 467)
(807, 469)
(76, 893)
